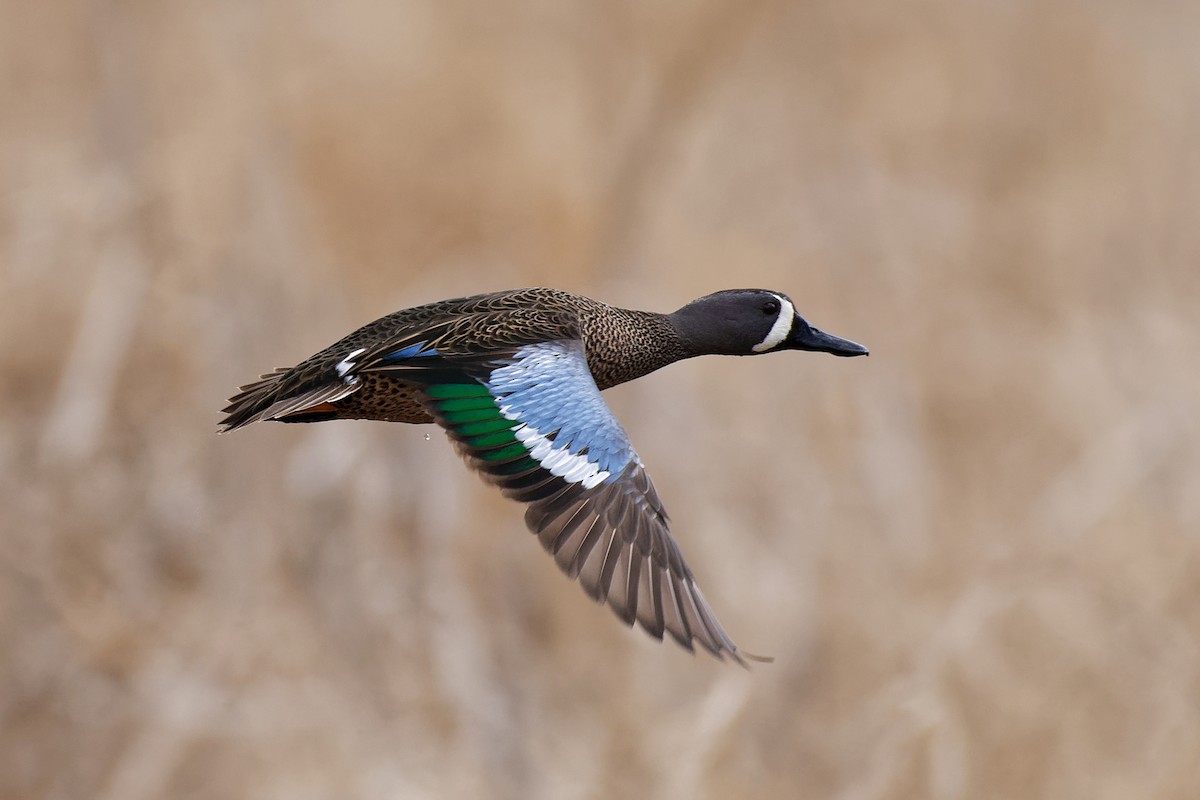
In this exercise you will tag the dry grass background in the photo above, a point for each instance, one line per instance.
(975, 555)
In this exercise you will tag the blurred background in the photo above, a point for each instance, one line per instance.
(975, 555)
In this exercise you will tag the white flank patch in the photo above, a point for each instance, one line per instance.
(571, 467)
(347, 363)
(781, 328)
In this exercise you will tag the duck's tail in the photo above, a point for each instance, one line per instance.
(276, 396)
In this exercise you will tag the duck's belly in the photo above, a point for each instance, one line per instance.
(383, 398)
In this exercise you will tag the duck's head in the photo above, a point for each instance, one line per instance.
(745, 322)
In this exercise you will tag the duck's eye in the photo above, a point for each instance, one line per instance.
(771, 307)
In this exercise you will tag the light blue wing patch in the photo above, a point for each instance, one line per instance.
(564, 423)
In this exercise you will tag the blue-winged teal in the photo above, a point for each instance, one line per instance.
(514, 378)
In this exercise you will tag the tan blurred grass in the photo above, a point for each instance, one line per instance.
(974, 555)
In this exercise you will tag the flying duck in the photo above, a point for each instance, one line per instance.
(514, 378)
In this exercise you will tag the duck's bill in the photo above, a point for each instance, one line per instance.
(806, 337)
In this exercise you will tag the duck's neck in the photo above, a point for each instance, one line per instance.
(623, 345)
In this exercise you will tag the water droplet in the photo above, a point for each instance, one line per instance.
(427, 437)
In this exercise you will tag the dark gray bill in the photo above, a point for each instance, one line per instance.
(806, 337)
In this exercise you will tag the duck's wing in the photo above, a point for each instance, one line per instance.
(531, 420)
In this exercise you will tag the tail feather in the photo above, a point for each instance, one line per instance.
(271, 397)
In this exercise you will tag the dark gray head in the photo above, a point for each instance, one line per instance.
(745, 322)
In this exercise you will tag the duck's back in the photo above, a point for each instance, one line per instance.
(562, 308)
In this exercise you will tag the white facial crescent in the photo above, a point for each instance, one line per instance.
(781, 328)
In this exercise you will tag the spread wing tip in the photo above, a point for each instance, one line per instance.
(688, 630)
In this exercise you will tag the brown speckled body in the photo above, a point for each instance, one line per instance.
(620, 344)
(383, 398)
